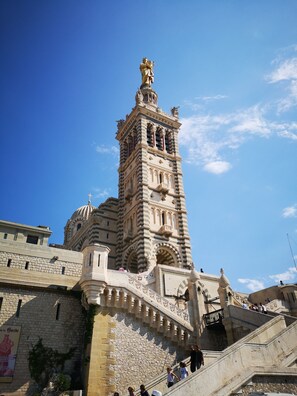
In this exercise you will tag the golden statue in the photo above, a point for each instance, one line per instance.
(147, 73)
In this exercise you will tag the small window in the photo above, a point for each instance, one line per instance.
(78, 226)
(90, 259)
(63, 270)
(107, 236)
(107, 223)
(5, 236)
(32, 239)
(18, 309)
(1, 302)
(58, 311)
(99, 257)
(27, 265)
(9, 261)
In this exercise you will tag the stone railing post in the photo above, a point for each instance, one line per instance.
(94, 272)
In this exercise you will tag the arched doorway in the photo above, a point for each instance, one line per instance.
(131, 263)
(165, 257)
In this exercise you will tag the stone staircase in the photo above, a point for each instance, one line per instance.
(270, 347)
(149, 306)
(160, 383)
(122, 290)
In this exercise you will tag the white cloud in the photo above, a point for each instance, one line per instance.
(252, 284)
(209, 138)
(252, 121)
(107, 150)
(286, 71)
(217, 167)
(290, 211)
(199, 101)
(99, 193)
(289, 275)
(286, 130)
(211, 98)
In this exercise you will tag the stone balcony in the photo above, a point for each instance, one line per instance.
(166, 230)
(162, 188)
(128, 194)
(128, 236)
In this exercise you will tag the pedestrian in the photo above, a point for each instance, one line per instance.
(171, 377)
(196, 358)
(244, 305)
(131, 391)
(183, 370)
(143, 391)
(116, 394)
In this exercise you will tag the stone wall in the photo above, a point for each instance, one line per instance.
(140, 352)
(126, 352)
(39, 264)
(271, 383)
(40, 259)
(38, 319)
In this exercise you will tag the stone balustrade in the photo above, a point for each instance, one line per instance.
(147, 305)
(109, 288)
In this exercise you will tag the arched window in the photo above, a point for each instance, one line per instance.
(174, 221)
(153, 215)
(168, 142)
(159, 217)
(78, 226)
(167, 179)
(125, 151)
(159, 144)
(134, 138)
(130, 145)
(150, 136)
(152, 175)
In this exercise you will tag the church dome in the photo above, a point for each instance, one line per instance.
(77, 220)
(83, 212)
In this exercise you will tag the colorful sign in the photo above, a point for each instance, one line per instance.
(9, 341)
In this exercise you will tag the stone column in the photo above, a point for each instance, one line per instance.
(100, 376)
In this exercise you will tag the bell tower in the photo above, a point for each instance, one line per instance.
(152, 222)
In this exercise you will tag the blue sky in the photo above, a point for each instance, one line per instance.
(70, 69)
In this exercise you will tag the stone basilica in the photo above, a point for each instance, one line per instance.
(126, 269)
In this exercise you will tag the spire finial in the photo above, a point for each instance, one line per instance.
(90, 197)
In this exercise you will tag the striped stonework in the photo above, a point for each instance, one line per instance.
(152, 218)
